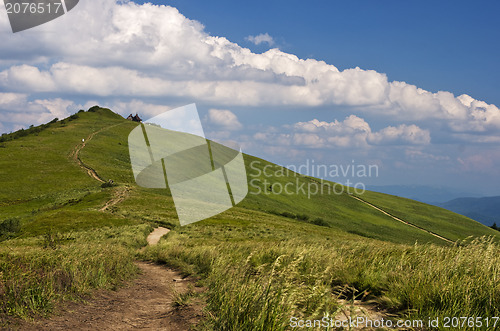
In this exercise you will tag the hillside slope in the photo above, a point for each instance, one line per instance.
(45, 186)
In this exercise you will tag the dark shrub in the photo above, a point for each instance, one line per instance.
(107, 184)
(9, 227)
(321, 222)
(287, 214)
(302, 217)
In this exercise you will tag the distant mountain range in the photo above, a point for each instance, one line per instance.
(427, 194)
(485, 210)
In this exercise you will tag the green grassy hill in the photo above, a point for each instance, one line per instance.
(44, 186)
(318, 248)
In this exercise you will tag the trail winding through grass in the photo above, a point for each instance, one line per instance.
(155, 236)
(149, 302)
(120, 194)
(402, 221)
(75, 155)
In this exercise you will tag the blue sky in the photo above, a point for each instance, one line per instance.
(409, 86)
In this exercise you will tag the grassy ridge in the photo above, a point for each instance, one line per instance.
(41, 181)
(343, 212)
(338, 210)
(44, 187)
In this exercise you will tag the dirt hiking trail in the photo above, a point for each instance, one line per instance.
(75, 154)
(146, 303)
(119, 195)
(155, 236)
(402, 221)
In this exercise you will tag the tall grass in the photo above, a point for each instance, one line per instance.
(260, 286)
(36, 273)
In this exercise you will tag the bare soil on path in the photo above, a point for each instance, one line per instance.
(154, 237)
(119, 195)
(75, 155)
(146, 303)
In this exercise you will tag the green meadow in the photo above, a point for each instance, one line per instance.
(272, 257)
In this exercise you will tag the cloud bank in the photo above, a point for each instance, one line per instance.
(352, 132)
(125, 49)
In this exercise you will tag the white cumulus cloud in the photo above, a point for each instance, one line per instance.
(352, 132)
(224, 118)
(17, 111)
(113, 49)
(410, 134)
(261, 38)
